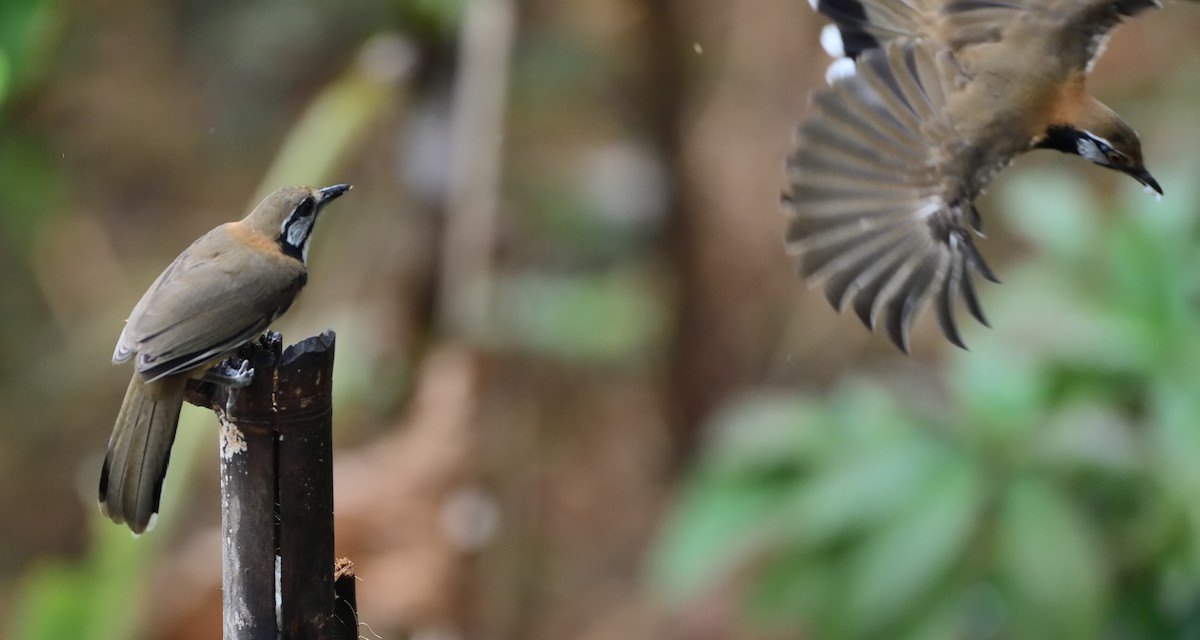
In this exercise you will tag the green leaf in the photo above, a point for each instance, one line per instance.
(1089, 435)
(1175, 439)
(757, 461)
(859, 492)
(1050, 208)
(902, 564)
(764, 429)
(611, 318)
(710, 532)
(794, 588)
(1049, 564)
(27, 28)
(5, 75)
(437, 17)
(53, 603)
(1002, 392)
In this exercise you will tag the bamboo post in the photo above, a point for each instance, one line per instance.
(304, 400)
(277, 490)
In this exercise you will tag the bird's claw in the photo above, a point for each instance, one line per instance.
(234, 378)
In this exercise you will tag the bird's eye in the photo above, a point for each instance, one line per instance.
(304, 209)
(1114, 157)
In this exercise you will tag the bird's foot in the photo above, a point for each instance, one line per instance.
(226, 374)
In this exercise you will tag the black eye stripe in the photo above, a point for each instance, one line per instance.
(296, 228)
(303, 210)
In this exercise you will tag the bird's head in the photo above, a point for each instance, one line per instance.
(1107, 141)
(289, 215)
(1117, 148)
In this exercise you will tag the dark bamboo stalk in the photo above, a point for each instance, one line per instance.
(277, 490)
(303, 401)
(248, 465)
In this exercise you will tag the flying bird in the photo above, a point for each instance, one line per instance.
(928, 101)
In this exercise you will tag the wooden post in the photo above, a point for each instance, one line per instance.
(277, 490)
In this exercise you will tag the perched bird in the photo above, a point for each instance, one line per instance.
(930, 100)
(219, 294)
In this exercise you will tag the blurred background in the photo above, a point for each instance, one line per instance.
(579, 391)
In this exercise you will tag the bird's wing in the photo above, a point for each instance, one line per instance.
(880, 210)
(205, 305)
(862, 25)
(1066, 34)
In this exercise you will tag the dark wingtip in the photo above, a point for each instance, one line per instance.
(899, 339)
(862, 309)
(976, 221)
(984, 270)
(158, 487)
(104, 486)
(970, 299)
(945, 316)
(898, 321)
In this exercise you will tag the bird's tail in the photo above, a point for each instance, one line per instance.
(138, 451)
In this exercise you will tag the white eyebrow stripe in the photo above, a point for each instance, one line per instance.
(1097, 138)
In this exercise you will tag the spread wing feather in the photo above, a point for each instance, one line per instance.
(863, 25)
(877, 213)
(882, 181)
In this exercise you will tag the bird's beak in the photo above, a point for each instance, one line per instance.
(1141, 175)
(329, 193)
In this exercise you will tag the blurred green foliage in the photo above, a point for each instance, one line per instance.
(101, 595)
(610, 319)
(1052, 495)
(29, 185)
(25, 27)
(435, 17)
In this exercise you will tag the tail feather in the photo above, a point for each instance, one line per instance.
(138, 451)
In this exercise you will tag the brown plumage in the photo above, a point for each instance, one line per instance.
(220, 293)
(932, 99)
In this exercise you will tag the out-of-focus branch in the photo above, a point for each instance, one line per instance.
(477, 135)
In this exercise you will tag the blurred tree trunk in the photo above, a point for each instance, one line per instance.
(725, 180)
(692, 382)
